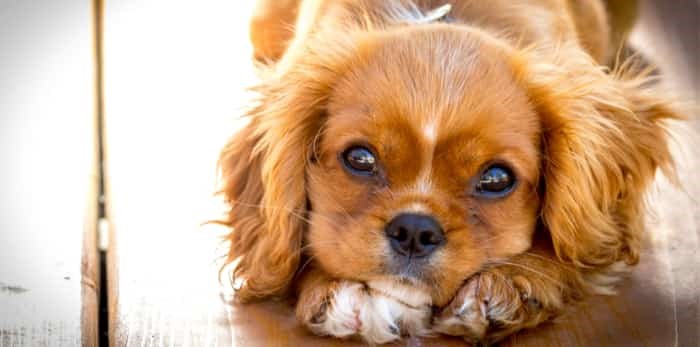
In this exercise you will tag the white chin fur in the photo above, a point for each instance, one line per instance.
(381, 312)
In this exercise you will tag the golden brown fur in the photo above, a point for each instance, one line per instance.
(513, 81)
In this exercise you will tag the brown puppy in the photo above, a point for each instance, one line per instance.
(416, 166)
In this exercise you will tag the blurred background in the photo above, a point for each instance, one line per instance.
(112, 114)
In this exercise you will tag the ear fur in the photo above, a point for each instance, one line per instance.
(264, 254)
(263, 174)
(263, 169)
(604, 137)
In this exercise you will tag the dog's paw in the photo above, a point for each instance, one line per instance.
(491, 306)
(344, 308)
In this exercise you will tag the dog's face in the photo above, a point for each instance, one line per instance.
(420, 154)
(425, 168)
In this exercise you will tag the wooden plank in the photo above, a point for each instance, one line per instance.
(173, 76)
(670, 34)
(48, 194)
(173, 73)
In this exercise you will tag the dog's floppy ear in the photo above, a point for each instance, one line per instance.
(263, 253)
(263, 171)
(603, 139)
(263, 175)
(263, 182)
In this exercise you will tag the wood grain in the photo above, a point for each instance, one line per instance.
(669, 33)
(48, 190)
(174, 75)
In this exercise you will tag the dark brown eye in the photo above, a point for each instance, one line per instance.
(495, 181)
(360, 160)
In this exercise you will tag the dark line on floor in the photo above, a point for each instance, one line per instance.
(103, 310)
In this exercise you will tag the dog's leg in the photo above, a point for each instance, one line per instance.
(344, 308)
(518, 294)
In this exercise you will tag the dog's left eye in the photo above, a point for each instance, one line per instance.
(360, 160)
(495, 181)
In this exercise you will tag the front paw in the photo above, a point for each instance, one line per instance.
(490, 306)
(345, 308)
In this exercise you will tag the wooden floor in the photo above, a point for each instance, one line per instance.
(48, 195)
(174, 75)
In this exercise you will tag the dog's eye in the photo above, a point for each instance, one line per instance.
(495, 181)
(360, 160)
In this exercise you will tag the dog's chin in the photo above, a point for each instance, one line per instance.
(408, 290)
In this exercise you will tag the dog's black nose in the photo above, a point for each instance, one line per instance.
(414, 235)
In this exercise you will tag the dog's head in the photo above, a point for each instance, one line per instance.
(421, 153)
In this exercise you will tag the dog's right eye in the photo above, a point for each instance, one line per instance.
(360, 160)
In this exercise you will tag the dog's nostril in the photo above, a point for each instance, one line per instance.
(402, 234)
(429, 237)
(412, 234)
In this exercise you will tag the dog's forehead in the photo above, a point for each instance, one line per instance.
(441, 83)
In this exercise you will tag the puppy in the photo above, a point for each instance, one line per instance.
(458, 167)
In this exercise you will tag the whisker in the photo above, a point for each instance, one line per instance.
(302, 267)
(315, 244)
(551, 261)
(525, 267)
(330, 220)
(292, 212)
(336, 203)
(295, 214)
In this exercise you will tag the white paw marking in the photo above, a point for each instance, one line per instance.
(380, 314)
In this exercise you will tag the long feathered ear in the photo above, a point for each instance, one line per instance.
(263, 181)
(258, 256)
(263, 174)
(603, 139)
(263, 170)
